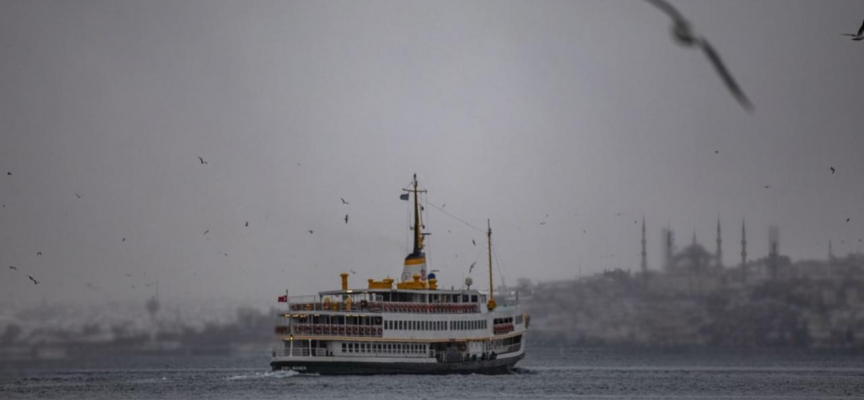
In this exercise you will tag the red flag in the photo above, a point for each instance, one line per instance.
(283, 299)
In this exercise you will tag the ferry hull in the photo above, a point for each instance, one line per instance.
(487, 367)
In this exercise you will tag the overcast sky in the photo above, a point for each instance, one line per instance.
(506, 110)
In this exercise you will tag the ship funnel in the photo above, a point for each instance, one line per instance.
(344, 280)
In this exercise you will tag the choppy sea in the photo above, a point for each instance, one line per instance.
(546, 373)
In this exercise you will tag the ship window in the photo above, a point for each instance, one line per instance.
(343, 347)
(474, 298)
(464, 298)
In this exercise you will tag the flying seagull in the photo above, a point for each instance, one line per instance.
(35, 282)
(767, 186)
(77, 195)
(310, 232)
(346, 218)
(471, 268)
(847, 219)
(473, 242)
(38, 253)
(832, 170)
(685, 36)
(13, 267)
(124, 239)
(343, 201)
(202, 160)
(247, 223)
(207, 231)
(859, 35)
(352, 271)
(9, 173)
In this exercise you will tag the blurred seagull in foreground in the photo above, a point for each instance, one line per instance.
(857, 36)
(684, 34)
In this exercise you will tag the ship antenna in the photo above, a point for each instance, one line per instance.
(491, 304)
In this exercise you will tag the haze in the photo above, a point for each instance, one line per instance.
(506, 110)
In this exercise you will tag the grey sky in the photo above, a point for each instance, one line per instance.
(506, 110)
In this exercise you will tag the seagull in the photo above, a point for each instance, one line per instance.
(716, 151)
(543, 223)
(128, 274)
(352, 271)
(685, 36)
(13, 267)
(832, 170)
(207, 231)
(202, 160)
(35, 282)
(343, 201)
(471, 268)
(858, 36)
(346, 218)
(767, 186)
(310, 232)
(847, 219)
(9, 173)
(443, 205)
(618, 215)
(124, 239)
(38, 253)
(247, 223)
(77, 195)
(473, 242)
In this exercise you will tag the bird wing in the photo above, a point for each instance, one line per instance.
(849, 34)
(724, 73)
(861, 29)
(669, 10)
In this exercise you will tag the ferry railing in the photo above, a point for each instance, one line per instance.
(336, 330)
(387, 306)
(509, 348)
(302, 353)
(501, 329)
(327, 353)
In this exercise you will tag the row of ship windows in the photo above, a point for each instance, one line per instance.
(384, 348)
(434, 325)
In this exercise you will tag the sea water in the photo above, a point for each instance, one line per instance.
(546, 373)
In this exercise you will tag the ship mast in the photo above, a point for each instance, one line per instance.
(491, 303)
(415, 262)
(417, 235)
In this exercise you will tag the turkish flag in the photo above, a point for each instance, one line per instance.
(283, 299)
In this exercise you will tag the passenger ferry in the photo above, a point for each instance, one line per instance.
(414, 328)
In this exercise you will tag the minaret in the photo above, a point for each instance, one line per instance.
(743, 253)
(644, 252)
(668, 244)
(743, 245)
(719, 254)
(773, 250)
